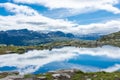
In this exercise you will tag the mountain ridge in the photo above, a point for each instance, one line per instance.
(25, 37)
(29, 37)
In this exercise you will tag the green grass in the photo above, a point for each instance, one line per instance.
(78, 75)
(97, 76)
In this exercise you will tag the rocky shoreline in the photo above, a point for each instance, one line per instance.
(65, 74)
(51, 75)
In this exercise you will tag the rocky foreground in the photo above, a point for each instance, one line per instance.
(72, 74)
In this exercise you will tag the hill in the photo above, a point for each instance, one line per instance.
(111, 39)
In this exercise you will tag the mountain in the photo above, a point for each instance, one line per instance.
(28, 37)
(60, 34)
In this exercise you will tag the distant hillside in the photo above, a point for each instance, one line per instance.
(113, 36)
(24, 38)
(92, 36)
(111, 39)
(27, 37)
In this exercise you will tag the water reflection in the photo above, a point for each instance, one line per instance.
(87, 59)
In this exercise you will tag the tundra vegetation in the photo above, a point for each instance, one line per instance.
(63, 75)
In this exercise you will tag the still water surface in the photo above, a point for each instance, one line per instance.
(105, 58)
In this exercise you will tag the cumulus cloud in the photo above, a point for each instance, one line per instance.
(33, 60)
(26, 17)
(37, 23)
(33, 23)
(107, 27)
(77, 6)
(19, 9)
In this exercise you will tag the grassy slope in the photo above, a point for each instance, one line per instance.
(111, 39)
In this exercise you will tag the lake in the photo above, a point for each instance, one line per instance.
(106, 58)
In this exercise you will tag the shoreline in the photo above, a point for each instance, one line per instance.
(64, 74)
(49, 46)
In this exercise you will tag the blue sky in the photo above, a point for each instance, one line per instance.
(76, 16)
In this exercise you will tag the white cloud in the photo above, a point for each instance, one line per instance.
(19, 9)
(37, 23)
(33, 23)
(26, 17)
(77, 6)
(107, 27)
(33, 60)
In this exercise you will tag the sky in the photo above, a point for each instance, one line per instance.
(75, 16)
